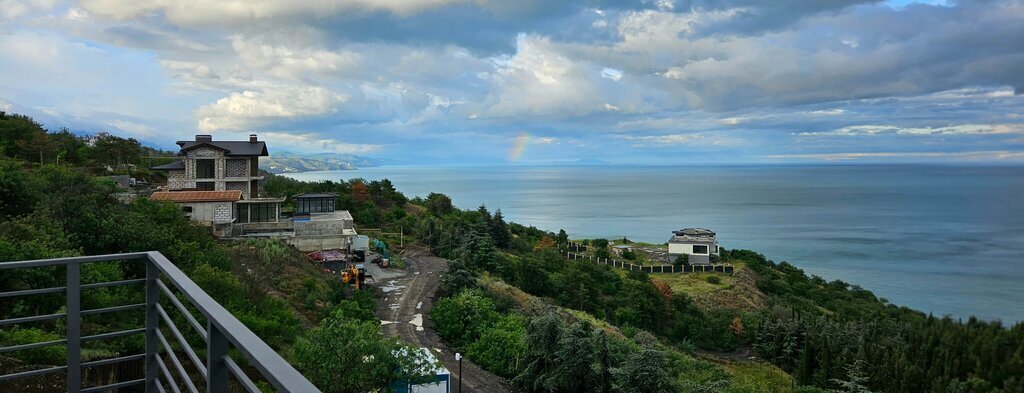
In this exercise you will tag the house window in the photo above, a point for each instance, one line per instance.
(243, 213)
(262, 212)
(205, 169)
(315, 205)
(205, 186)
(700, 249)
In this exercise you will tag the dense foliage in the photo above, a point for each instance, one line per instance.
(334, 354)
(833, 329)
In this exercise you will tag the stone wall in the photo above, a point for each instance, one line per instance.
(176, 180)
(239, 185)
(222, 212)
(236, 167)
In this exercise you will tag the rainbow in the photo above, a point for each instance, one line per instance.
(518, 146)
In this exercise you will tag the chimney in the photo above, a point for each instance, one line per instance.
(204, 138)
(252, 138)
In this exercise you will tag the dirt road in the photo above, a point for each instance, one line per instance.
(405, 310)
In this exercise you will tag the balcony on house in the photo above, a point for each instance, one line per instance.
(230, 357)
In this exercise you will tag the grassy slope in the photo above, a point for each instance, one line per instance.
(736, 292)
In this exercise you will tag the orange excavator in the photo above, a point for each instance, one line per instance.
(354, 274)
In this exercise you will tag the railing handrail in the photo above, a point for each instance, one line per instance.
(278, 372)
(222, 327)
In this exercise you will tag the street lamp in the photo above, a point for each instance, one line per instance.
(458, 356)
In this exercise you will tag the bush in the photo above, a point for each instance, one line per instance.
(713, 280)
(51, 355)
(501, 347)
(462, 319)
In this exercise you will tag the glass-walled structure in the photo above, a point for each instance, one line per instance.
(314, 203)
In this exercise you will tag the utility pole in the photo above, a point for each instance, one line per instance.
(458, 356)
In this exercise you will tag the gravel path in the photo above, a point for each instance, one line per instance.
(405, 309)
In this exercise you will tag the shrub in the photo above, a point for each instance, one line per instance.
(56, 354)
(714, 280)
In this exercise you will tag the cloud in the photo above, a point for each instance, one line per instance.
(198, 12)
(961, 129)
(290, 63)
(133, 128)
(743, 78)
(315, 142)
(611, 73)
(251, 108)
(670, 140)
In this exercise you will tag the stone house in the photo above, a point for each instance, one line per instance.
(208, 165)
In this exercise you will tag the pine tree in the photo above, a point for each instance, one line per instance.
(855, 381)
(499, 231)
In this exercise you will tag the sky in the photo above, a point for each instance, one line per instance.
(427, 82)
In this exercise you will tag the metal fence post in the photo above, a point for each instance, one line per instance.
(74, 327)
(216, 367)
(152, 324)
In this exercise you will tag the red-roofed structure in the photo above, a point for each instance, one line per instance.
(197, 196)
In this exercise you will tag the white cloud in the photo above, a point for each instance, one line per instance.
(251, 108)
(670, 140)
(827, 112)
(13, 9)
(201, 12)
(288, 63)
(314, 142)
(961, 129)
(133, 128)
(540, 80)
(611, 73)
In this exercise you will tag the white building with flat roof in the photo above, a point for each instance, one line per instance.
(698, 244)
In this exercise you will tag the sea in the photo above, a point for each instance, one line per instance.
(946, 240)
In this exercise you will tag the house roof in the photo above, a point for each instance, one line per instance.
(693, 235)
(174, 166)
(316, 195)
(197, 196)
(230, 148)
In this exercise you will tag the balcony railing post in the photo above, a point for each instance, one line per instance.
(74, 327)
(152, 324)
(216, 367)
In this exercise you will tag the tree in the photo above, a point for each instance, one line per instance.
(562, 237)
(19, 191)
(347, 355)
(457, 278)
(463, 318)
(576, 356)
(499, 231)
(545, 243)
(501, 347)
(682, 260)
(542, 343)
(360, 194)
(645, 371)
(855, 381)
(439, 204)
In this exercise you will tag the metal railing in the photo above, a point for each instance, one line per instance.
(221, 332)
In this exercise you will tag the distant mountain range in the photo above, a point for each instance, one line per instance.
(289, 162)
